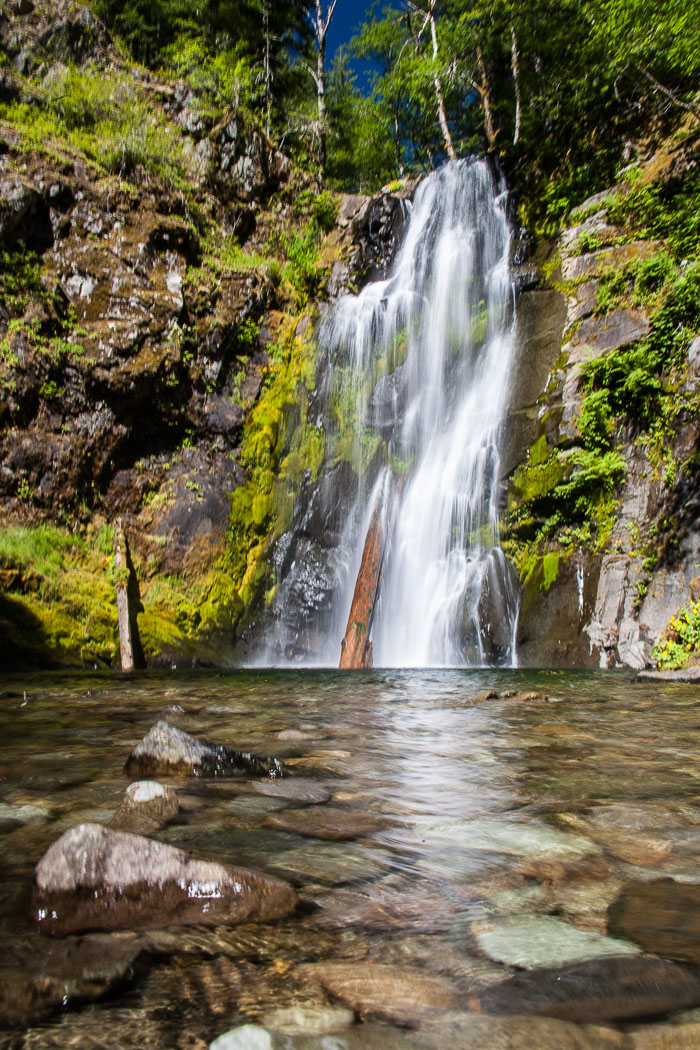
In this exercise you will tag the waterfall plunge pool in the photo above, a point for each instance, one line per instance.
(453, 842)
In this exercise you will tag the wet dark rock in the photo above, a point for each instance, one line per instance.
(686, 674)
(387, 402)
(23, 212)
(96, 878)
(40, 977)
(662, 916)
(326, 823)
(167, 750)
(384, 993)
(325, 505)
(599, 989)
(222, 416)
(146, 805)
(511, 694)
(297, 789)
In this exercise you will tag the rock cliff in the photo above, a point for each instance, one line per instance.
(163, 267)
(602, 506)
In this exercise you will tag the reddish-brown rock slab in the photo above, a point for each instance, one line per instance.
(166, 750)
(666, 1036)
(611, 988)
(474, 1032)
(661, 916)
(326, 823)
(96, 878)
(379, 907)
(384, 993)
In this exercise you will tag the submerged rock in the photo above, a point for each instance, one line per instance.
(326, 823)
(662, 916)
(544, 940)
(358, 1037)
(299, 789)
(167, 750)
(40, 979)
(515, 1033)
(96, 878)
(247, 1037)
(308, 1020)
(666, 1037)
(385, 993)
(596, 990)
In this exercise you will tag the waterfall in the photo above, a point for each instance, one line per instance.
(415, 385)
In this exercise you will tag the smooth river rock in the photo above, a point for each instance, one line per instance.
(146, 805)
(296, 789)
(308, 1020)
(326, 823)
(544, 940)
(605, 989)
(166, 750)
(385, 993)
(359, 1037)
(96, 878)
(662, 916)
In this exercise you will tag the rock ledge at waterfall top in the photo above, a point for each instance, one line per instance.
(166, 750)
(96, 878)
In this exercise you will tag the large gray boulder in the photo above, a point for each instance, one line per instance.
(97, 878)
(166, 750)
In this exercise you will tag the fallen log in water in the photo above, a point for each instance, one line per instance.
(356, 648)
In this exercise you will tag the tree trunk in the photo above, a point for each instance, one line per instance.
(356, 648)
(267, 67)
(515, 67)
(122, 575)
(439, 94)
(321, 102)
(485, 93)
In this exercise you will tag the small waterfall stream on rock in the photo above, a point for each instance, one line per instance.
(415, 384)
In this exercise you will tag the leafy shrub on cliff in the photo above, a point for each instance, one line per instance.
(659, 210)
(680, 639)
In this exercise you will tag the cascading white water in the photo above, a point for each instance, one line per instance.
(421, 361)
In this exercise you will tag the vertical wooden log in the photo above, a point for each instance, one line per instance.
(356, 648)
(122, 577)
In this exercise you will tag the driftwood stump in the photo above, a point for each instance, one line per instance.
(122, 579)
(356, 648)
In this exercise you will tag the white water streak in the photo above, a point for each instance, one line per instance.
(448, 301)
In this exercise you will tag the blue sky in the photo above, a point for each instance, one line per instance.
(348, 15)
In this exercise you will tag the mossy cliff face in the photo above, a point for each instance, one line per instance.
(602, 449)
(141, 257)
(160, 264)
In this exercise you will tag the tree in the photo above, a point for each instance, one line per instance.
(320, 20)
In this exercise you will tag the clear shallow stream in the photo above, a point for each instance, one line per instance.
(475, 836)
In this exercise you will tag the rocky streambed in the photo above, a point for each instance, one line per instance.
(263, 860)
